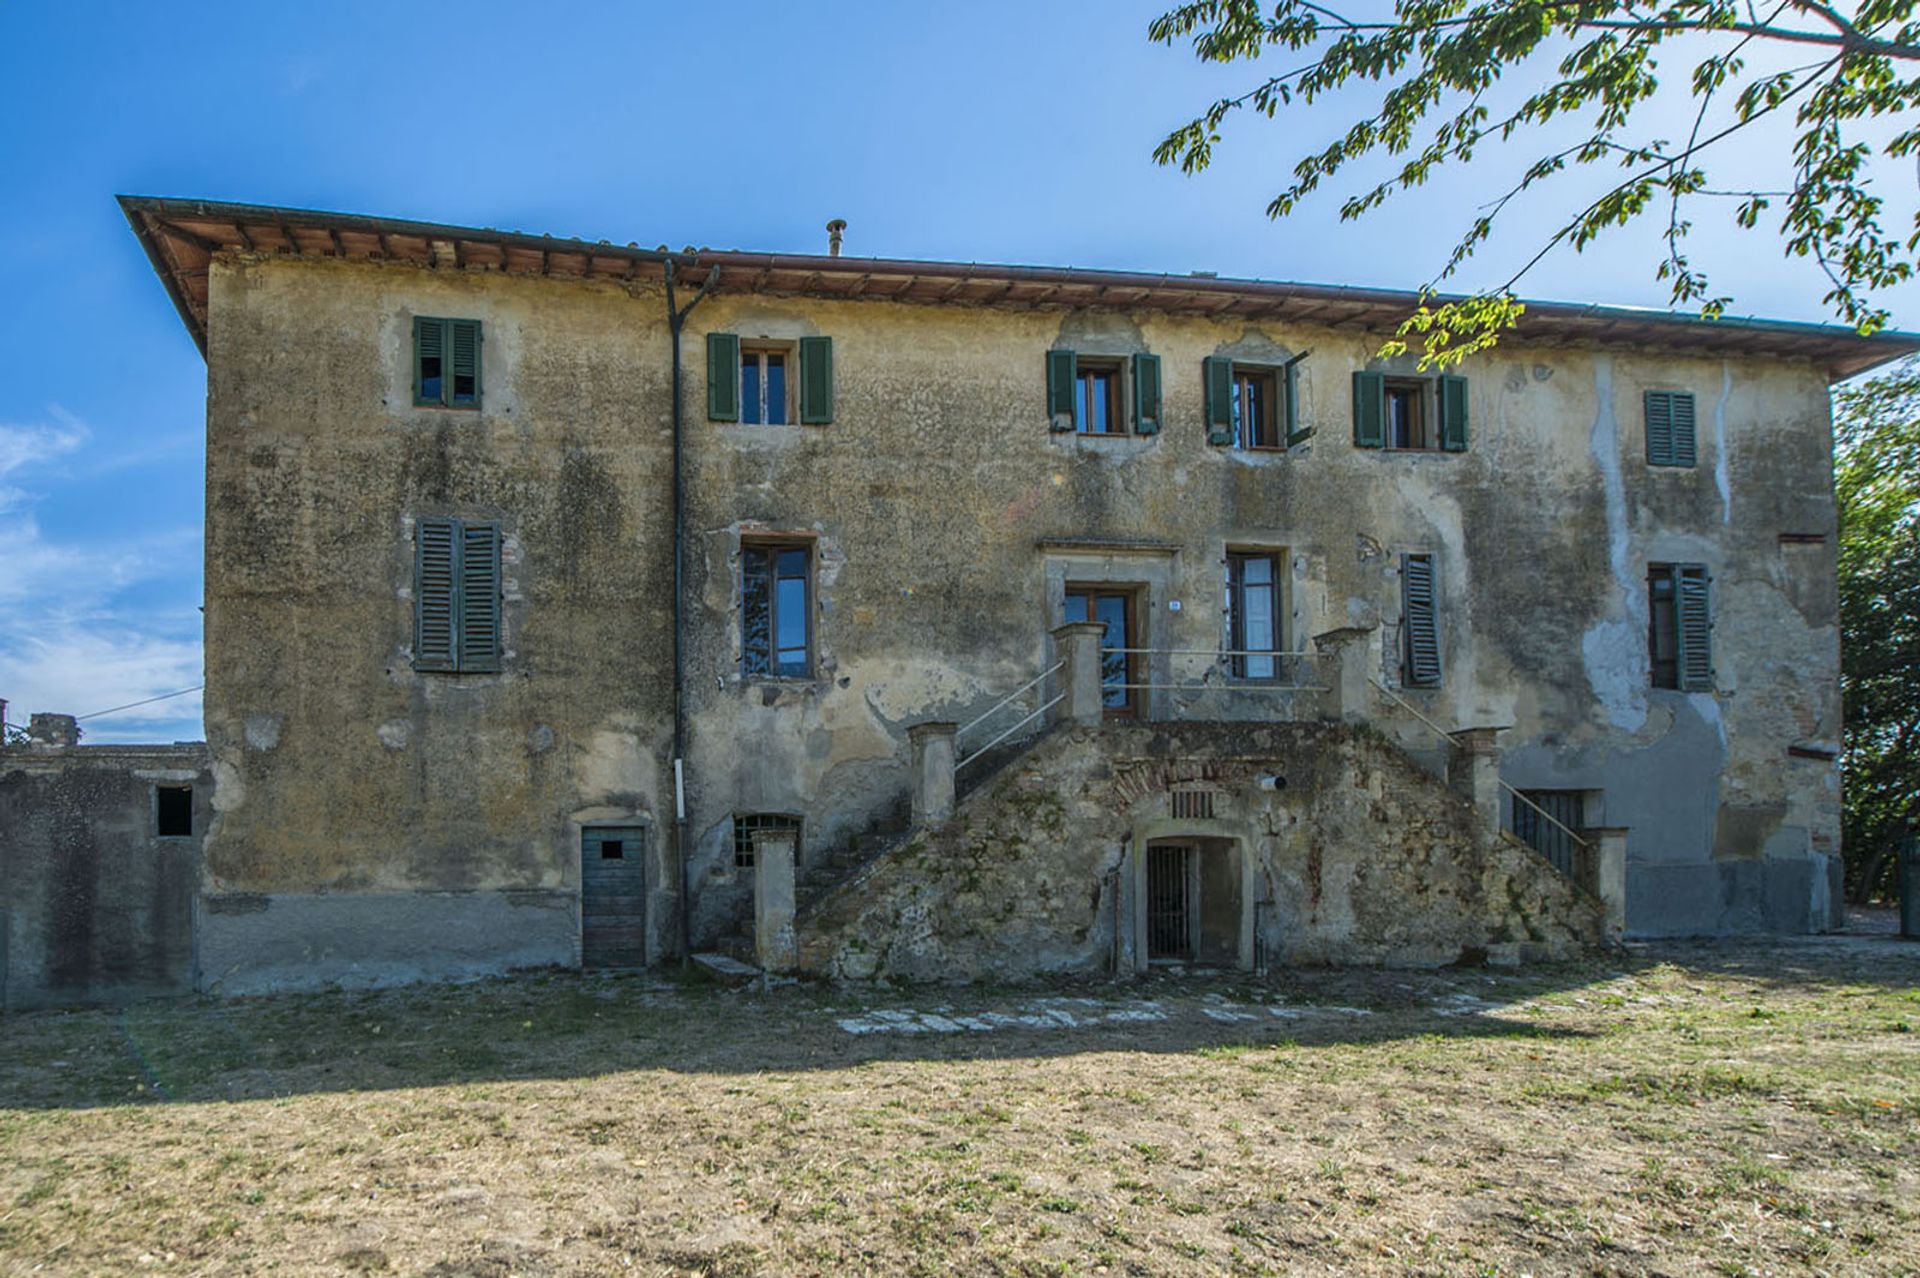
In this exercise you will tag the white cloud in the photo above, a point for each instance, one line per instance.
(25, 446)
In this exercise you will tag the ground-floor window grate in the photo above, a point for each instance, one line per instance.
(1169, 901)
(744, 825)
(1193, 805)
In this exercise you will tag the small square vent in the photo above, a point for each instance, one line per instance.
(1193, 805)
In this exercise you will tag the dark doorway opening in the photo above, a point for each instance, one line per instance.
(1194, 904)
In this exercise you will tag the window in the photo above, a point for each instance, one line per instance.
(1679, 627)
(456, 596)
(1088, 395)
(1670, 440)
(1252, 406)
(1253, 615)
(1542, 819)
(1419, 623)
(173, 811)
(756, 384)
(746, 823)
(1406, 414)
(776, 610)
(446, 362)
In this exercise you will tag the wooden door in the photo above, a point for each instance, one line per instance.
(613, 896)
(1114, 608)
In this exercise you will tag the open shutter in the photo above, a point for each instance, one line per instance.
(723, 377)
(463, 381)
(1062, 370)
(1453, 413)
(816, 380)
(433, 594)
(1419, 619)
(1695, 625)
(1369, 410)
(1290, 389)
(1217, 373)
(479, 644)
(1659, 406)
(1146, 394)
(429, 343)
(1683, 446)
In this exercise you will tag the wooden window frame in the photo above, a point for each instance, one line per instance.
(1410, 676)
(446, 398)
(755, 353)
(1111, 369)
(1236, 612)
(772, 548)
(458, 661)
(1676, 456)
(1244, 377)
(1420, 392)
(1673, 628)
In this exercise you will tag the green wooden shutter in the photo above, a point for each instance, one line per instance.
(1369, 410)
(723, 377)
(1695, 625)
(1217, 374)
(1418, 617)
(1062, 371)
(1290, 388)
(463, 364)
(479, 642)
(1146, 394)
(1659, 409)
(1683, 445)
(429, 342)
(1453, 413)
(816, 380)
(433, 593)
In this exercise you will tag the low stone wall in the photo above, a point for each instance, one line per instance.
(1346, 852)
(96, 905)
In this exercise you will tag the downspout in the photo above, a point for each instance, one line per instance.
(676, 321)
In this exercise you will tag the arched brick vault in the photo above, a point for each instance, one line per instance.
(1365, 857)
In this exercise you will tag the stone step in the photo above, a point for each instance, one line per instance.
(725, 968)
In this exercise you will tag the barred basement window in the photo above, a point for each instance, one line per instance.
(1193, 805)
(744, 825)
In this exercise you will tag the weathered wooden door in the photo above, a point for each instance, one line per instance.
(613, 896)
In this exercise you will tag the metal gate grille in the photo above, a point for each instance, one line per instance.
(1169, 933)
(1542, 835)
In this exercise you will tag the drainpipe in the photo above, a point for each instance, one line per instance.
(676, 321)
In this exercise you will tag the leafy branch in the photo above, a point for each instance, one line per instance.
(1438, 60)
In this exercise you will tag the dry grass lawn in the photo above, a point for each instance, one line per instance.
(1678, 1110)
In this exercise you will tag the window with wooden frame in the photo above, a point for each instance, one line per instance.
(746, 824)
(1679, 627)
(1419, 623)
(1410, 414)
(1253, 407)
(776, 609)
(769, 383)
(1670, 434)
(446, 362)
(456, 596)
(1253, 614)
(1103, 394)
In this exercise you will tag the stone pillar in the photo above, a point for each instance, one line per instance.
(773, 938)
(53, 731)
(1346, 668)
(1609, 852)
(1078, 645)
(1474, 770)
(933, 759)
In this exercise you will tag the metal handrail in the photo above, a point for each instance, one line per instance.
(1009, 732)
(1007, 700)
(1215, 652)
(1239, 685)
(1450, 739)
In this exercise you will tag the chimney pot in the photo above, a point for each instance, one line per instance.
(835, 230)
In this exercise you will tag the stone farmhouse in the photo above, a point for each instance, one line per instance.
(577, 604)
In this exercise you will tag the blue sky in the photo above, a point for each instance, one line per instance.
(985, 131)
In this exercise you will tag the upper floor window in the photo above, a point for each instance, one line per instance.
(1253, 614)
(1252, 406)
(776, 609)
(1419, 623)
(446, 362)
(173, 811)
(1669, 428)
(769, 383)
(1103, 395)
(456, 595)
(1410, 414)
(1679, 627)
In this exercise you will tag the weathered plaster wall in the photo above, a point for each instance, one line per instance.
(94, 905)
(945, 517)
(1358, 857)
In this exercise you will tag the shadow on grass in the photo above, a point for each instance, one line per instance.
(560, 1026)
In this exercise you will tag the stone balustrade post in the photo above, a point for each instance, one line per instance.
(1609, 856)
(53, 731)
(1346, 669)
(1474, 770)
(774, 941)
(1078, 646)
(934, 756)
